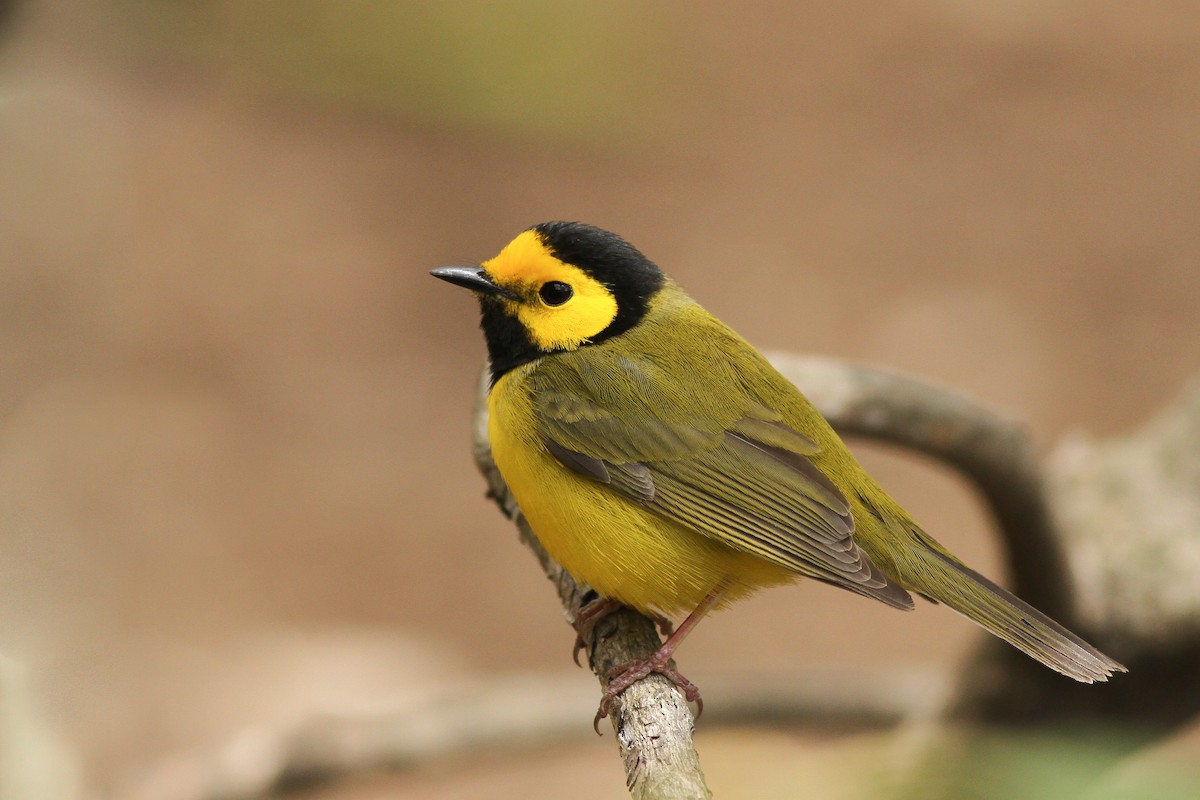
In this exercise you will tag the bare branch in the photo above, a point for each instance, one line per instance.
(1126, 512)
(1129, 513)
(994, 452)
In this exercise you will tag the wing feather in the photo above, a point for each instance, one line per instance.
(744, 478)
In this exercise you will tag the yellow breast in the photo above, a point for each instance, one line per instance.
(609, 542)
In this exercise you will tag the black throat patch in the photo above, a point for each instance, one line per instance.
(508, 343)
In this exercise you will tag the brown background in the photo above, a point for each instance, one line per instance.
(235, 484)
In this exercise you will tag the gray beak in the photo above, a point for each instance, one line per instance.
(473, 278)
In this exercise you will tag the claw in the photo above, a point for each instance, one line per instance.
(665, 628)
(600, 714)
(585, 622)
(580, 644)
(622, 676)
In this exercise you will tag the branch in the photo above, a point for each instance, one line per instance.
(651, 718)
(1129, 511)
(999, 684)
(993, 452)
(1107, 544)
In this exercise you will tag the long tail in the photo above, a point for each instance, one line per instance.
(1012, 619)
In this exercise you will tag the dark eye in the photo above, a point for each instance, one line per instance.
(555, 293)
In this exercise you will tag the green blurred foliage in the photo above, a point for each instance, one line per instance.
(534, 68)
(1039, 765)
(941, 763)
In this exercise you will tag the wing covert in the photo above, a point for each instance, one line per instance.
(746, 481)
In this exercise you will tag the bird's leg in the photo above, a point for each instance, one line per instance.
(622, 676)
(595, 610)
(591, 613)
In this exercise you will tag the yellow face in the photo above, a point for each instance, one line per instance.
(560, 305)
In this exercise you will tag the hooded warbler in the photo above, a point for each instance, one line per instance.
(662, 460)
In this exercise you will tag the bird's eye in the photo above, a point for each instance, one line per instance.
(555, 293)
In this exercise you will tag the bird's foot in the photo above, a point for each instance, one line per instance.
(622, 676)
(596, 610)
(591, 614)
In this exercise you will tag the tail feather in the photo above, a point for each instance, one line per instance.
(1013, 620)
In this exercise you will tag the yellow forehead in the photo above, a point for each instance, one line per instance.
(526, 259)
(523, 266)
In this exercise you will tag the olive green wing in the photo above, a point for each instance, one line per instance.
(740, 476)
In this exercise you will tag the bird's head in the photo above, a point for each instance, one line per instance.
(556, 287)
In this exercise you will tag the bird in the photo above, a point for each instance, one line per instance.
(663, 461)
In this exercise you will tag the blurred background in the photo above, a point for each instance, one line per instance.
(236, 488)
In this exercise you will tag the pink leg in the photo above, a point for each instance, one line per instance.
(623, 676)
(591, 614)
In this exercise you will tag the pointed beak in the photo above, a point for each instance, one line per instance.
(473, 278)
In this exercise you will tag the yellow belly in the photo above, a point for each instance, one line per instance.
(613, 544)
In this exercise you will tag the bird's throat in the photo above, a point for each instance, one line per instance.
(508, 342)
